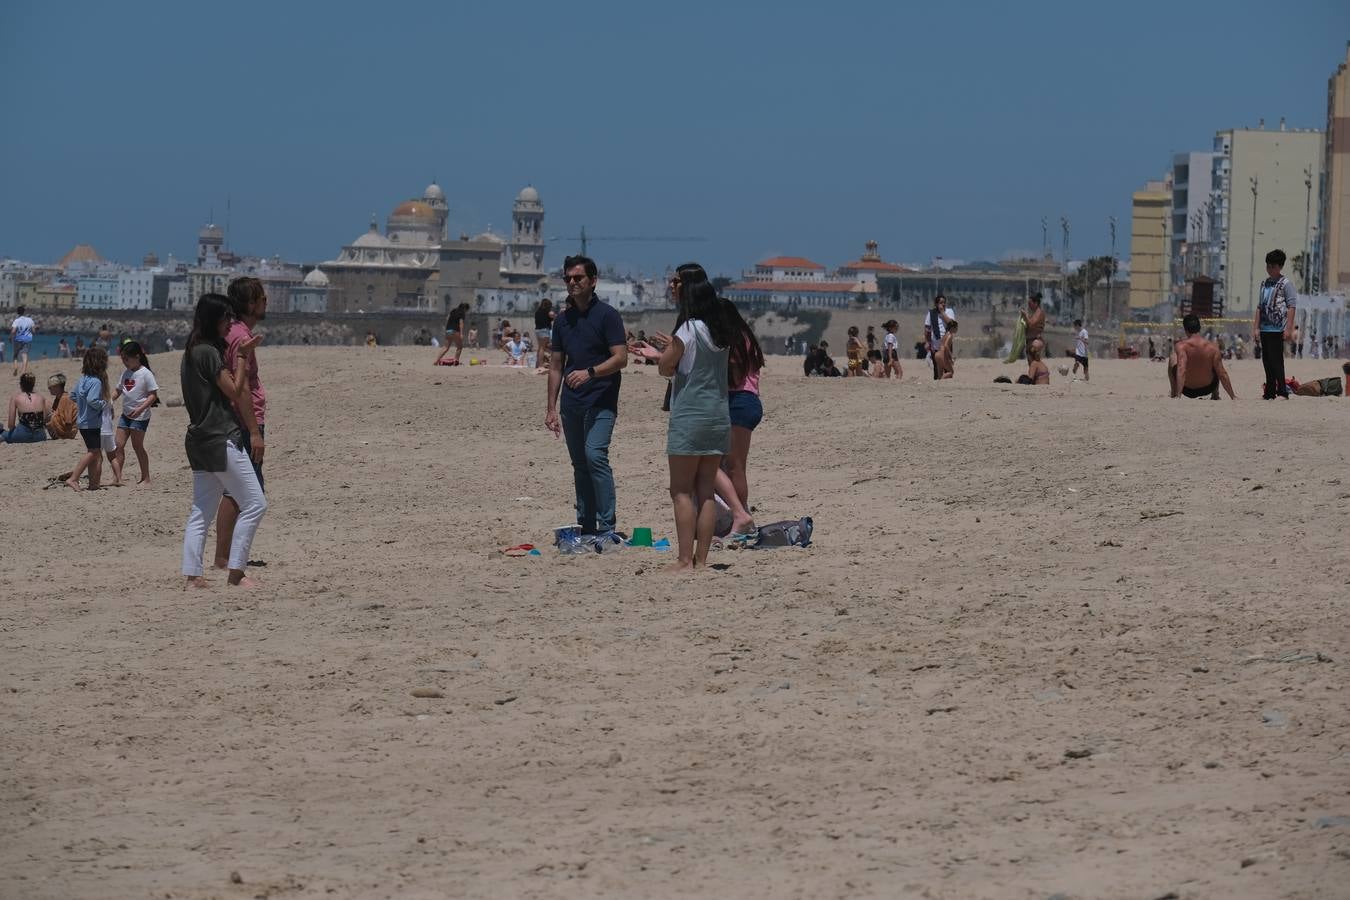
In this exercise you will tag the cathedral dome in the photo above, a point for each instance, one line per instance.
(433, 192)
(413, 209)
(316, 278)
(371, 239)
(490, 236)
(528, 195)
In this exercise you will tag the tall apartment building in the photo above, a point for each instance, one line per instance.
(1265, 190)
(1192, 184)
(1333, 239)
(1150, 247)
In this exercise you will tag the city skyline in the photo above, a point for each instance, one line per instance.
(786, 133)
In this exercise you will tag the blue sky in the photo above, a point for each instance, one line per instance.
(944, 130)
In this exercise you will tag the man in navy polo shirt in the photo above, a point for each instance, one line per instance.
(590, 349)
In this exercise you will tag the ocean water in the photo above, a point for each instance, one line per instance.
(44, 344)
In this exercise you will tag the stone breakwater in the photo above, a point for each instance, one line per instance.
(156, 328)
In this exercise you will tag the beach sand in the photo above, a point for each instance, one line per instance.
(1081, 641)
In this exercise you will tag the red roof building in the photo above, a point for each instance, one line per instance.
(870, 263)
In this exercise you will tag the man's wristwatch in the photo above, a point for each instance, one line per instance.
(590, 370)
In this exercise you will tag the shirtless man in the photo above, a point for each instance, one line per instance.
(1034, 316)
(1196, 367)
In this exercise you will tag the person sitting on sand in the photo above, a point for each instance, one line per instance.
(1195, 368)
(61, 425)
(818, 361)
(27, 415)
(1037, 371)
(515, 350)
(645, 351)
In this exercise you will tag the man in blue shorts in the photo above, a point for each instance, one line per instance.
(21, 333)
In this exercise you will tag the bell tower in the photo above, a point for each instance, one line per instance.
(527, 232)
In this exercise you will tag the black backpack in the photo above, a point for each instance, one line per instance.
(787, 533)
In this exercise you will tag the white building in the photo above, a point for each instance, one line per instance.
(135, 288)
(786, 268)
(99, 291)
(312, 294)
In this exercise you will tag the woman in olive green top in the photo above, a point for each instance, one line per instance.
(213, 441)
(699, 433)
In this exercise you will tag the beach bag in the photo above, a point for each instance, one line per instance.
(787, 533)
(1331, 387)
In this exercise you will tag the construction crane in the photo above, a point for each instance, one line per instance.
(585, 239)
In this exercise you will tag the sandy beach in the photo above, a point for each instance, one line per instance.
(1075, 642)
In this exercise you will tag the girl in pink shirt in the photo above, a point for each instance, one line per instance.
(744, 363)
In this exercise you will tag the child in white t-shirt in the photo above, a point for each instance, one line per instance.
(1080, 349)
(890, 350)
(139, 391)
(515, 350)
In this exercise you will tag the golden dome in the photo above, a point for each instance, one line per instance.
(413, 209)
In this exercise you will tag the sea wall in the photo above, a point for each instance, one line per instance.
(981, 334)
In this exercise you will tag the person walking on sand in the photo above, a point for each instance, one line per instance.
(248, 306)
(543, 332)
(890, 350)
(454, 334)
(139, 392)
(934, 327)
(1196, 369)
(1273, 323)
(1080, 349)
(590, 351)
(21, 332)
(92, 396)
(698, 434)
(214, 441)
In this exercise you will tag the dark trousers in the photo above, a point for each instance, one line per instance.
(1272, 357)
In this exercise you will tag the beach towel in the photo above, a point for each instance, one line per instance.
(1019, 341)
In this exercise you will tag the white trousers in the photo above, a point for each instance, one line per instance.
(207, 489)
